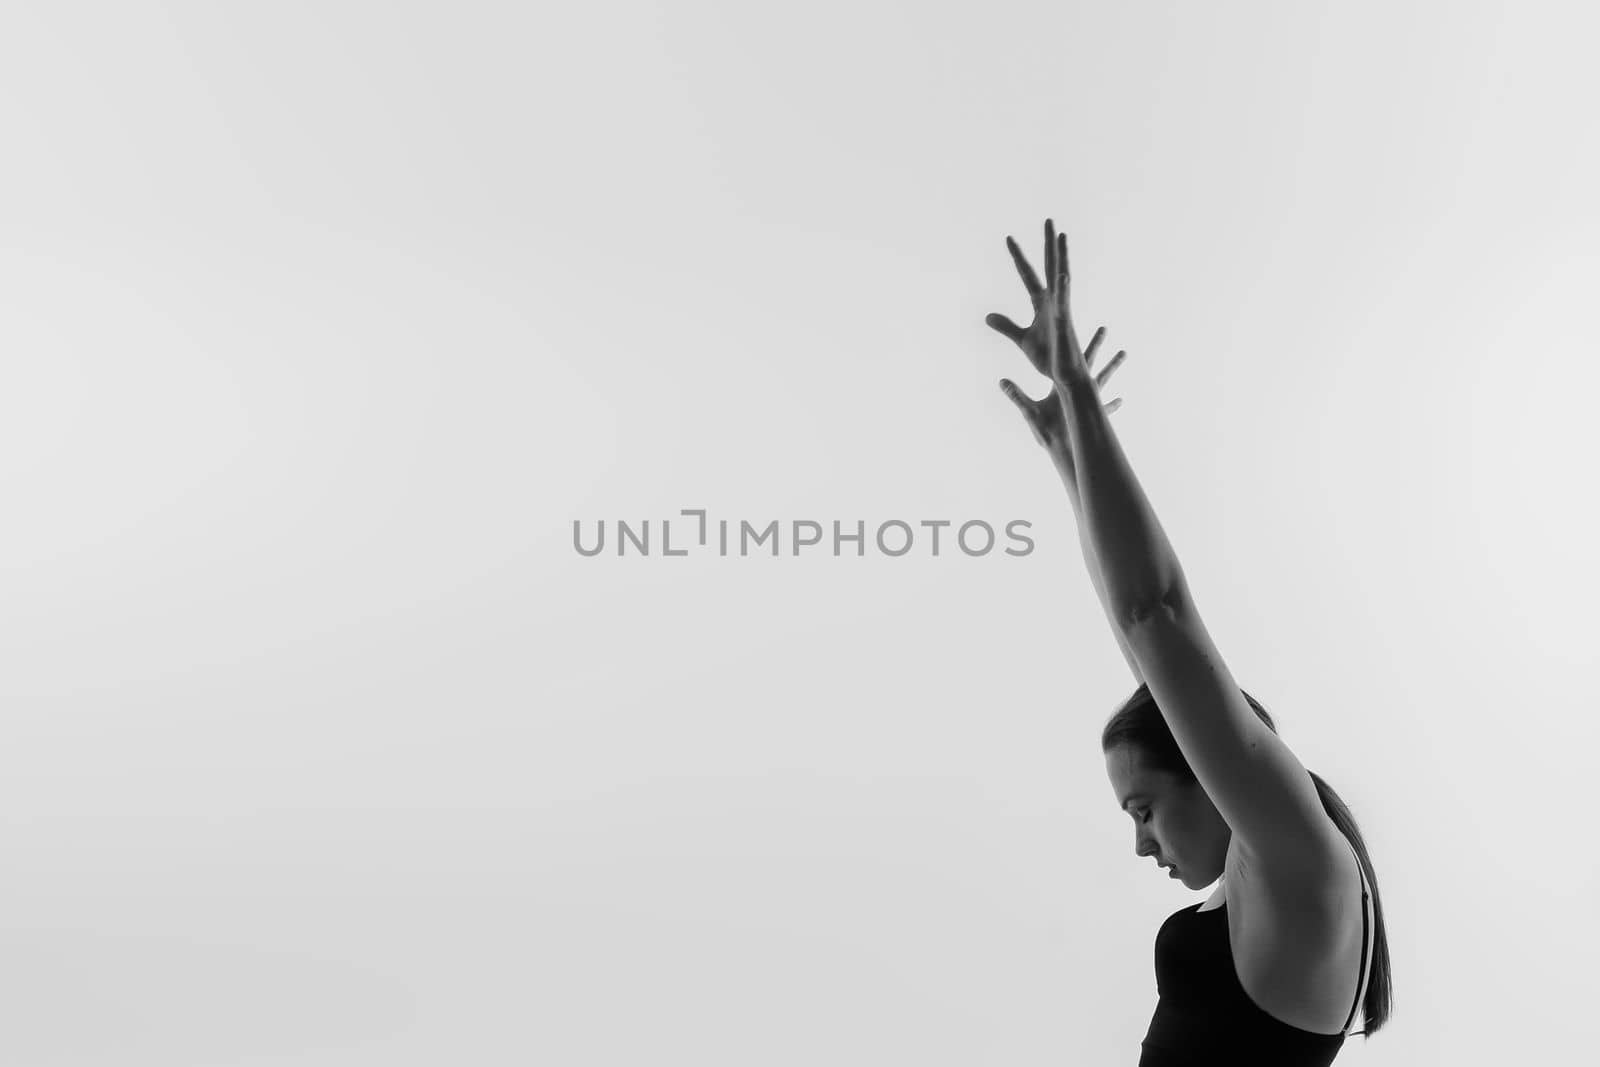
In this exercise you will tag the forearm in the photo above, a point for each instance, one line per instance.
(1138, 568)
(1064, 468)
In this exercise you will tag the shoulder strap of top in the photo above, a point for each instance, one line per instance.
(1361, 975)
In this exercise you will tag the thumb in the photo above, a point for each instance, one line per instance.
(1028, 408)
(1001, 324)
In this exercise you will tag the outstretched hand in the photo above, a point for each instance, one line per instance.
(1050, 343)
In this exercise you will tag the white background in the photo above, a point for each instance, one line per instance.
(322, 323)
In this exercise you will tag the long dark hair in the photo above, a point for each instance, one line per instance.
(1139, 723)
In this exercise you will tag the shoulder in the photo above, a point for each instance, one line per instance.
(1311, 901)
(1315, 868)
(1297, 944)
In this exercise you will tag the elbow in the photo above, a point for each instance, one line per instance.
(1141, 611)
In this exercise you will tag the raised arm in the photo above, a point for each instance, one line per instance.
(1258, 785)
(1062, 458)
(1044, 417)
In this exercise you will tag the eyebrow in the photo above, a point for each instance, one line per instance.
(1131, 797)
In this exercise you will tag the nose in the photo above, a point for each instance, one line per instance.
(1144, 845)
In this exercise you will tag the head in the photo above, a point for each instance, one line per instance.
(1174, 820)
(1176, 823)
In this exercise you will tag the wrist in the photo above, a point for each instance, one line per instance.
(1075, 382)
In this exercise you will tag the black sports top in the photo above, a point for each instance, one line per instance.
(1204, 1016)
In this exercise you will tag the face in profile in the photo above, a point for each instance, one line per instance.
(1174, 822)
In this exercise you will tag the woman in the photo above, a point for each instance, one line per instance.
(1272, 967)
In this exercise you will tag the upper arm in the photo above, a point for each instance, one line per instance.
(1260, 788)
